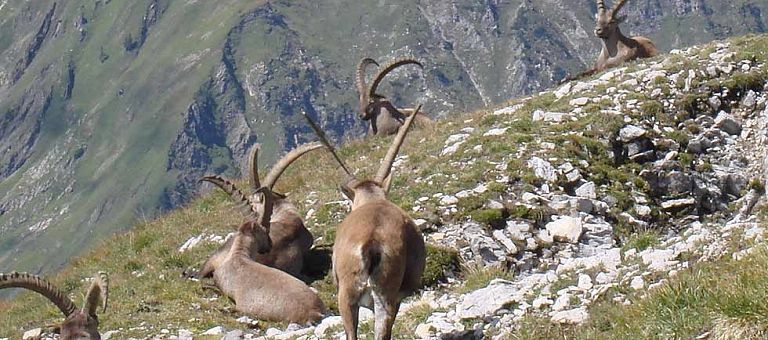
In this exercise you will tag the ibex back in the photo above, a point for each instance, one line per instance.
(261, 291)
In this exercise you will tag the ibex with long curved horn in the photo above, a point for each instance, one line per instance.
(290, 239)
(385, 118)
(78, 323)
(617, 48)
(379, 253)
(261, 291)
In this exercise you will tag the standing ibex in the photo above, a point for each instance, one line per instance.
(379, 253)
(264, 292)
(78, 324)
(617, 48)
(289, 237)
(385, 118)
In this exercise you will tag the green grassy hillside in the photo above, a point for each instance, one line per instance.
(148, 293)
(112, 109)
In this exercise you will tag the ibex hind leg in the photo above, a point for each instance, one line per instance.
(385, 311)
(349, 308)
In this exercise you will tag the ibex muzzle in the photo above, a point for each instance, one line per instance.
(80, 324)
(379, 253)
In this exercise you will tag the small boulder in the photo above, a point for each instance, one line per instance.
(630, 133)
(586, 190)
(565, 229)
(571, 317)
(32, 334)
(728, 123)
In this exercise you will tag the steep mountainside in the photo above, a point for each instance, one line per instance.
(111, 109)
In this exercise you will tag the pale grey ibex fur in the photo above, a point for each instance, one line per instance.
(617, 48)
(264, 292)
(385, 118)
(289, 237)
(78, 323)
(379, 253)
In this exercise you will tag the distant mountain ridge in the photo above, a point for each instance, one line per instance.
(112, 109)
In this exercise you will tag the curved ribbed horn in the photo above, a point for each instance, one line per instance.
(98, 294)
(360, 81)
(232, 190)
(386, 163)
(39, 285)
(265, 218)
(617, 7)
(601, 5)
(284, 162)
(323, 139)
(389, 68)
(253, 167)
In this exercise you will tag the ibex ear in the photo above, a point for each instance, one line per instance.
(55, 329)
(347, 192)
(387, 183)
(620, 19)
(97, 295)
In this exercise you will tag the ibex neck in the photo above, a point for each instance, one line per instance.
(611, 44)
(285, 211)
(241, 245)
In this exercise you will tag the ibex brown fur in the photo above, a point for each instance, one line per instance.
(617, 48)
(289, 237)
(385, 118)
(264, 292)
(379, 253)
(78, 324)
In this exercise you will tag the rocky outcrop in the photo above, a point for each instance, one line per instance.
(34, 45)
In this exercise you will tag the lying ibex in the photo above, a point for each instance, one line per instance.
(379, 254)
(385, 118)
(289, 237)
(78, 324)
(264, 292)
(617, 48)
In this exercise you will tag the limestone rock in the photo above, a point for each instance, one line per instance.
(565, 229)
(32, 334)
(728, 123)
(571, 317)
(586, 190)
(488, 300)
(542, 169)
(630, 133)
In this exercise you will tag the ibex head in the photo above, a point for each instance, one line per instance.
(607, 21)
(250, 233)
(79, 324)
(261, 203)
(361, 191)
(368, 95)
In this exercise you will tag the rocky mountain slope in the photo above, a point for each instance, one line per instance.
(112, 109)
(625, 206)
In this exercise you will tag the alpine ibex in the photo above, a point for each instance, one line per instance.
(78, 324)
(289, 237)
(617, 48)
(379, 253)
(261, 291)
(385, 118)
